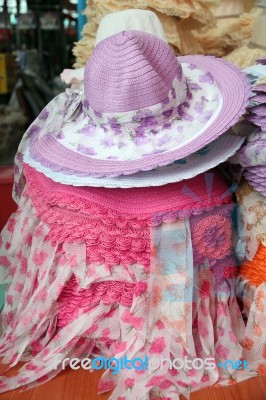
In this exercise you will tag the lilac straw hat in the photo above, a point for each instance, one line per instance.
(142, 108)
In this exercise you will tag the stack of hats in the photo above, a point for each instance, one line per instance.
(252, 156)
(253, 211)
(122, 243)
(214, 27)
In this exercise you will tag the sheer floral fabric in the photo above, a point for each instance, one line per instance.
(82, 275)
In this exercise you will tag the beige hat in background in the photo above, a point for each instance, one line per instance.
(139, 20)
(247, 55)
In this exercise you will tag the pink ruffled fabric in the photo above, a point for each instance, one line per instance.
(114, 236)
(58, 305)
(74, 301)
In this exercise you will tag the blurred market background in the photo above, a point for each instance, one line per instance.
(36, 41)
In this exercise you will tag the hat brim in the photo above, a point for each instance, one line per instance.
(233, 86)
(216, 152)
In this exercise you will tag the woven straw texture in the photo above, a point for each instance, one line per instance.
(178, 35)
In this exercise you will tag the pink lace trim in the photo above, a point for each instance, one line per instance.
(95, 202)
(75, 301)
(110, 238)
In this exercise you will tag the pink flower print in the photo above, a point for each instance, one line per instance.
(73, 262)
(26, 320)
(166, 384)
(105, 386)
(106, 332)
(15, 356)
(44, 378)
(203, 330)
(39, 257)
(111, 313)
(159, 324)
(36, 347)
(11, 225)
(7, 245)
(222, 309)
(129, 382)
(23, 380)
(140, 288)
(261, 369)
(23, 266)
(192, 372)
(184, 351)
(46, 352)
(137, 322)
(28, 240)
(3, 385)
(232, 337)
(42, 295)
(257, 330)
(140, 372)
(158, 345)
(18, 287)
(4, 261)
(173, 372)
(121, 398)
(205, 378)
(162, 398)
(38, 231)
(120, 347)
(221, 331)
(31, 367)
(205, 289)
(25, 221)
(92, 329)
(156, 381)
(247, 343)
(222, 352)
(204, 309)
(62, 260)
(43, 314)
(12, 271)
(182, 384)
(9, 299)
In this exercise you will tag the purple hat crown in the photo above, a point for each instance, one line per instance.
(130, 71)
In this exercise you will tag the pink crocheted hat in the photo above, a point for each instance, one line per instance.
(142, 108)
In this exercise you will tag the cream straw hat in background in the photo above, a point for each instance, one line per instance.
(128, 20)
(139, 20)
(247, 55)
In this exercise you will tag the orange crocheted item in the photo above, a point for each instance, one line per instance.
(255, 270)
